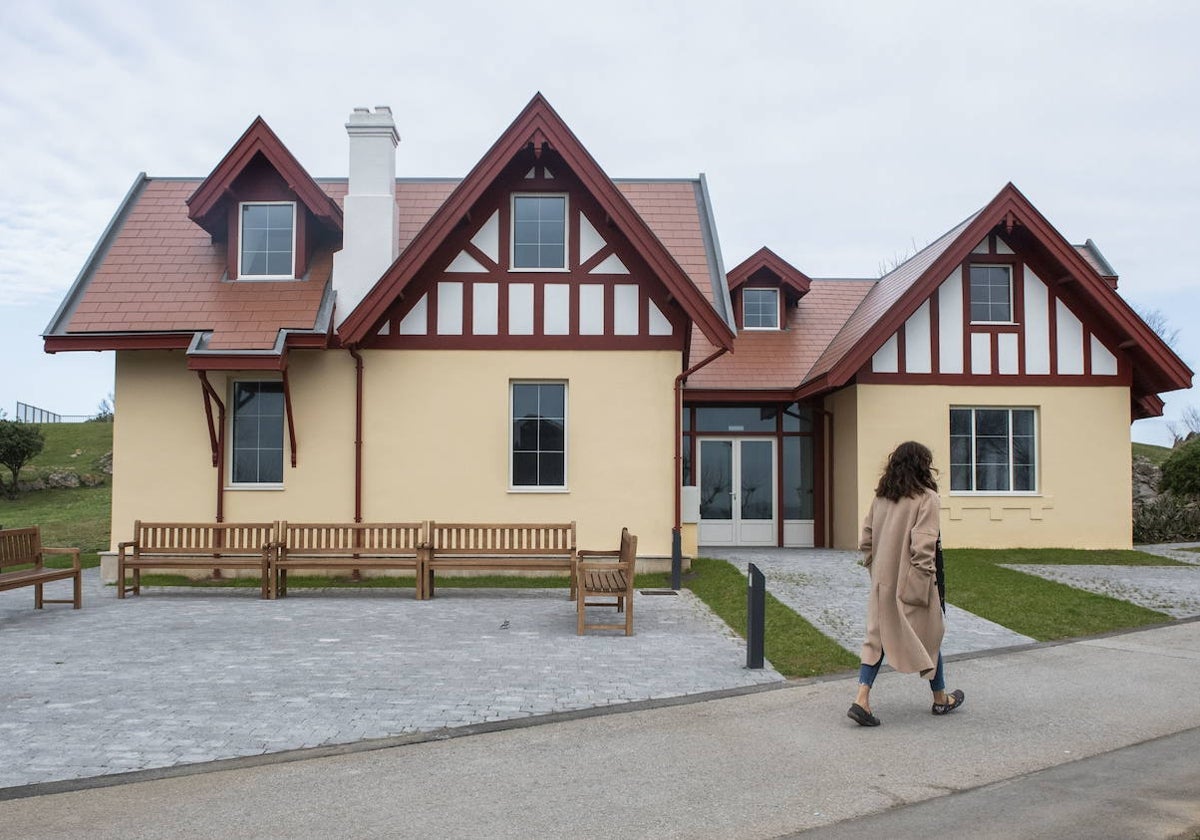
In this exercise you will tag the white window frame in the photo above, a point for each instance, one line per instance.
(778, 315)
(512, 233)
(230, 484)
(241, 240)
(541, 488)
(1037, 450)
(1012, 303)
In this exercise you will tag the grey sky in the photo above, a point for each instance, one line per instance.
(843, 136)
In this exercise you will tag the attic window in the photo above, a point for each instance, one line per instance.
(268, 240)
(760, 309)
(991, 294)
(539, 232)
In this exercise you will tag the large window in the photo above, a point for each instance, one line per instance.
(760, 309)
(539, 232)
(539, 435)
(257, 433)
(991, 294)
(993, 450)
(268, 240)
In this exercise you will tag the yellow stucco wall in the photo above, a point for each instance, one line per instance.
(436, 427)
(1084, 483)
(843, 405)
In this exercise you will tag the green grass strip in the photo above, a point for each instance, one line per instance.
(1033, 606)
(793, 646)
(1064, 557)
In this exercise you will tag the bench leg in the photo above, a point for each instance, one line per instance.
(137, 581)
(628, 615)
(37, 596)
(78, 601)
(580, 606)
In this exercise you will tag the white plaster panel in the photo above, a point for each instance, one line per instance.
(1037, 325)
(625, 310)
(520, 309)
(1002, 246)
(556, 309)
(546, 174)
(1006, 350)
(590, 241)
(981, 248)
(386, 329)
(464, 263)
(981, 353)
(591, 309)
(659, 325)
(485, 309)
(1070, 340)
(887, 357)
(610, 265)
(450, 309)
(487, 239)
(918, 343)
(950, 324)
(416, 322)
(1104, 363)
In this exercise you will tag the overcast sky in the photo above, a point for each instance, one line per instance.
(842, 135)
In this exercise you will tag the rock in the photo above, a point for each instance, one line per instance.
(104, 463)
(89, 480)
(1146, 477)
(62, 478)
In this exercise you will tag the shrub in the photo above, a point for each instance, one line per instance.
(19, 443)
(1181, 471)
(1169, 518)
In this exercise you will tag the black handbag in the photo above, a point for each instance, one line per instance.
(939, 564)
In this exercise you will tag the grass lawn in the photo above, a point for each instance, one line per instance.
(1156, 454)
(1042, 609)
(73, 446)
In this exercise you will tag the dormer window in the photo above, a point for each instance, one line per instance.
(991, 294)
(760, 309)
(539, 232)
(268, 240)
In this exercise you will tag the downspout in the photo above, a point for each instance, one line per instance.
(358, 418)
(677, 530)
(219, 452)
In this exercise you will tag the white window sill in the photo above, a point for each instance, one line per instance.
(266, 278)
(995, 323)
(1007, 494)
(254, 487)
(515, 270)
(539, 490)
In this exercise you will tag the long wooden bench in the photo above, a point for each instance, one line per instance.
(330, 546)
(496, 547)
(23, 547)
(195, 545)
(607, 575)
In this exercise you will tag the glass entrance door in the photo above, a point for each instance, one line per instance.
(737, 491)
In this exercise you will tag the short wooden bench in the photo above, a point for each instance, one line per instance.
(23, 547)
(607, 575)
(195, 545)
(330, 546)
(496, 547)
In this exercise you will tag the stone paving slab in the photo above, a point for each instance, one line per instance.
(1174, 590)
(1173, 551)
(829, 589)
(175, 677)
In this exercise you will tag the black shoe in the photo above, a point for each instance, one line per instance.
(956, 698)
(861, 716)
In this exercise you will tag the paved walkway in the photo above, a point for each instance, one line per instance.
(176, 677)
(830, 590)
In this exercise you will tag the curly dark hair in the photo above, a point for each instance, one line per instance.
(909, 472)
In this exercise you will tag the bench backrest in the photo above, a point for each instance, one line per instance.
(628, 552)
(19, 546)
(203, 537)
(314, 538)
(498, 538)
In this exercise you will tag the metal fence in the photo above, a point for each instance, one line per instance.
(27, 413)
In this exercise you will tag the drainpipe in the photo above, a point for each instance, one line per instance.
(358, 416)
(677, 530)
(210, 393)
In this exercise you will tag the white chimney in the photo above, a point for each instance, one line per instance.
(370, 236)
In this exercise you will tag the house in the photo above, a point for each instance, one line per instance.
(541, 342)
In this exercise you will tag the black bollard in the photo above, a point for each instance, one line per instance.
(676, 558)
(756, 614)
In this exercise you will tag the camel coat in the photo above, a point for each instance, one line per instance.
(904, 615)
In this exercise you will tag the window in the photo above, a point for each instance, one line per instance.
(993, 450)
(257, 433)
(539, 435)
(539, 234)
(991, 294)
(268, 240)
(760, 309)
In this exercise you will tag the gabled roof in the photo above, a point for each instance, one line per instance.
(765, 258)
(537, 125)
(898, 294)
(259, 139)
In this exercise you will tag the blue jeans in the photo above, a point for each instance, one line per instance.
(867, 674)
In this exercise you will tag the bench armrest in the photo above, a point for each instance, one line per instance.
(583, 554)
(72, 551)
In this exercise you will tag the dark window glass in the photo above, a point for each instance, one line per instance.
(716, 479)
(797, 478)
(686, 453)
(267, 236)
(760, 309)
(539, 231)
(991, 293)
(736, 419)
(993, 450)
(797, 418)
(539, 433)
(257, 432)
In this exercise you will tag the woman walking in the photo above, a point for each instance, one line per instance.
(904, 616)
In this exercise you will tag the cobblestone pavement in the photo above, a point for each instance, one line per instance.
(1174, 590)
(830, 590)
(179, 677)
(1174, 551)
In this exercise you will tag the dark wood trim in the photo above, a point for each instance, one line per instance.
(901, 347)
(1052, 329)
(126, 341)
(697, 396)
(965, 275)
(234, 362)
(291, 415)
(764, 259)
(211, 393)
(869, 378)
(1087, 350)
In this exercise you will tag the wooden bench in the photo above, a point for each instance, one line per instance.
(365, 545)
(495, 547)
(195, 545)
(607, 575)
(22, 547)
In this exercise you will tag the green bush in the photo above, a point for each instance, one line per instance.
(1169, 518)
(1181, 471)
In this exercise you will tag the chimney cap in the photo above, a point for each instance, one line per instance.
(364, 122)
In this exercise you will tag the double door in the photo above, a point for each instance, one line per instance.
(738, 504)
